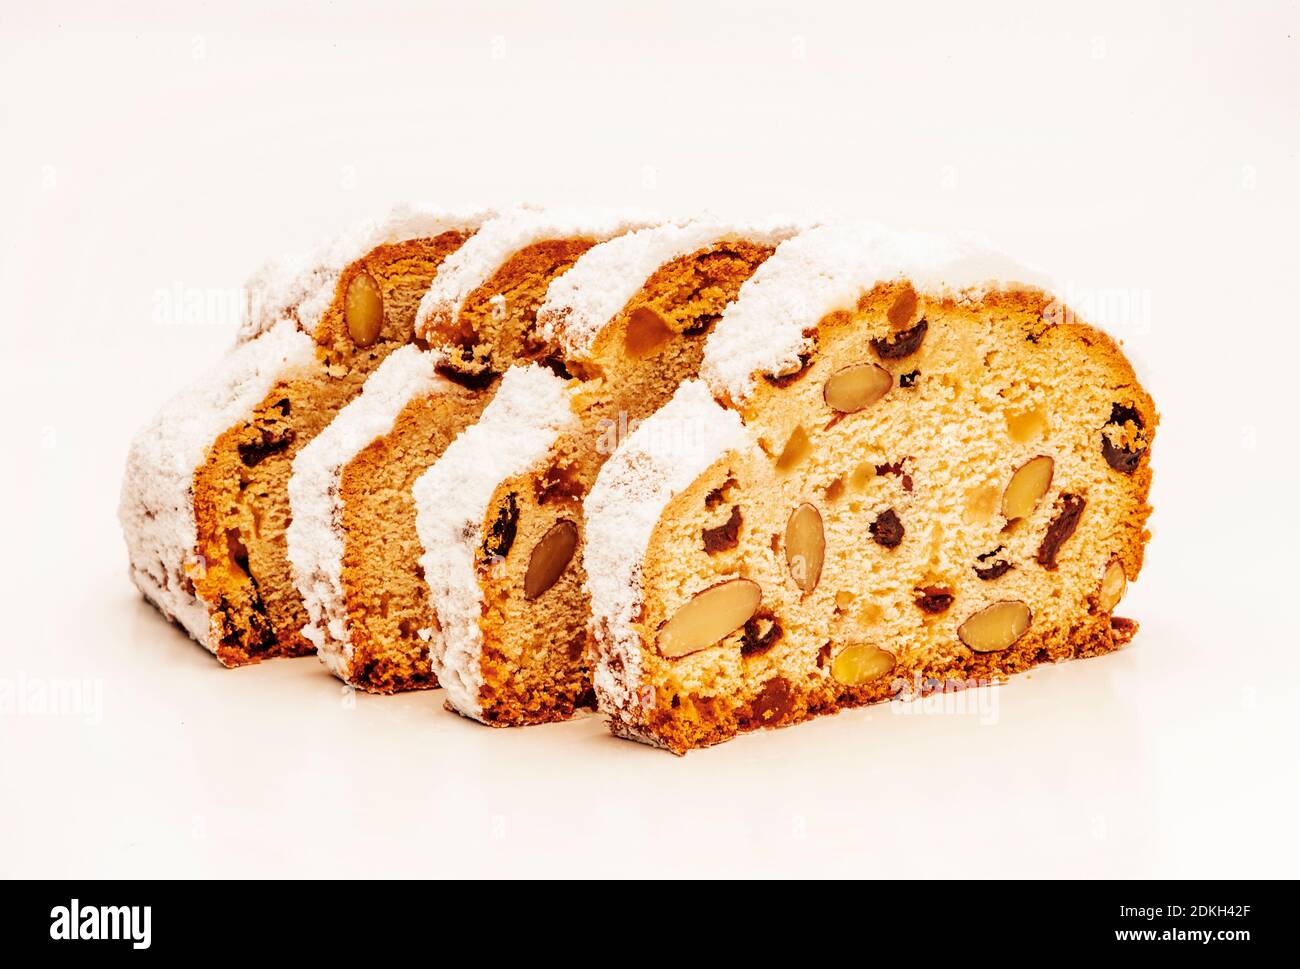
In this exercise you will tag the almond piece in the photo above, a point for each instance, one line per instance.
(1027, 487)
(855, 387)
(860, 663)
(995, 627)
(550, 558)
(805, 546)
(711, 615)
(363, 309)
(1113, 583)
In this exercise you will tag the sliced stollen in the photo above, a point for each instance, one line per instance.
(483, 308)
(212, 483)
(631, 318)
(353, 541)
(921, 476)
(531, 408)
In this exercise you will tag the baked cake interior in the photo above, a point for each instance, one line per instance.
(534, 663)
(387, 600)
(241, 501)
(944, 491)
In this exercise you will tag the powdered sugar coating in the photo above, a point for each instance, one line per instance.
(826, 269)
(157, 503)
(514, 433)
(315, 534)
(660, 459)
(582, 301)
(301, 287)
(473, 264)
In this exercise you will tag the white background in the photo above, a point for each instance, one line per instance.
(1145, 155)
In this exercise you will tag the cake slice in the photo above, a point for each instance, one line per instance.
(352, 541)
(631, 318)
(205, 502)
(926, 471)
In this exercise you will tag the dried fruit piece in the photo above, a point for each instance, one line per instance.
(981, 503)
(934, 599)
(724, 537)
(903, 309)
(645, 332)
(363, 309)
(786, 379)
(270, 440)
(906, 380)
(501, 534)
(1061, 528)
(805, 546)
(1027, 426)
(559, 483)
(550, 558)
(902, 344)
(988, 570)
(1027, 487)
(1113, 583)
(859, 663)
(710, 615)
(995, 627)
(857, 386)
(719, 494)
(762, 632)
(887, 530)
(862, 475)
(1122, 442)
(796, 449)
(896, 468)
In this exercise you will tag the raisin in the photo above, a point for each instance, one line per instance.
(908, 379)
(786, 379)
(1123, 459)
(558, 483)
(823, 655)
(502, 533)
(896, 468)
(1061, 528)
(934, 599)
(724, 537)
(998, 567)
(902, 344)
(269, 442)
(887, 530)
(719, 494)
(556, 365)
(755, 640)
(475, 379)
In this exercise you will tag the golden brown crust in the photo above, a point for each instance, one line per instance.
(680, 724)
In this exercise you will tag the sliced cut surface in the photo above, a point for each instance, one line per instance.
(955, 542)
(355, 523)
(630, 318)
(352, 309)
